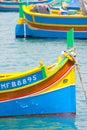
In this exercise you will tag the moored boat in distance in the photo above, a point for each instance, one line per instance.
(13, 6)
(48, 22)
(44, 90)
(9, 6)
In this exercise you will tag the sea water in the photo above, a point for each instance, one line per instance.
(20, 54)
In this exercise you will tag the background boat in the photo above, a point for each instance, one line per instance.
(52, 23)
(9, 6)
(13, 6)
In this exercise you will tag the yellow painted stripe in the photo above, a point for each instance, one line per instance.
(11, 76)
(28, 9)
(21, 21)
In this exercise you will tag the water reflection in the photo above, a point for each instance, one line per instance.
(38, 123)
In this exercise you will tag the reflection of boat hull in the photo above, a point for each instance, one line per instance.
(45, 90)
(54, 25)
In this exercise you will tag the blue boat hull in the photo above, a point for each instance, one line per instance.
(22, 30)
(59, 101)
(9, 6)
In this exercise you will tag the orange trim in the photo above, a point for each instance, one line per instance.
(37, 87)
(57, 27)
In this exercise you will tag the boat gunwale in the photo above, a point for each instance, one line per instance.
(40, 81)
(56, 69)
(33, 14)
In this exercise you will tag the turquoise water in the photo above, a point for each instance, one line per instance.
(23, 54)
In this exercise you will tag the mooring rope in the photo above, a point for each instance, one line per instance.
(81, 79)
(78, 69)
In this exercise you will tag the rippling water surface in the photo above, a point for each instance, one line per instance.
(24, 54)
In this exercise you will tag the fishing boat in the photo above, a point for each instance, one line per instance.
(13, 6)
(9, 6)
(43, 91)
(51, 23)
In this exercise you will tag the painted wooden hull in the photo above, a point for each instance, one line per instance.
(10, 6)
(54, 24)
(45, 90)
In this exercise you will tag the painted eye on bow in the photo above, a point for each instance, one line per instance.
(65, 80)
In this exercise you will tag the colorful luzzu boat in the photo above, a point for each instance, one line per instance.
(9, 6)
(54, 24)
(45, 90)
(13, 6)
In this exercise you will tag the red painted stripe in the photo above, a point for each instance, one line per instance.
(37, 87)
